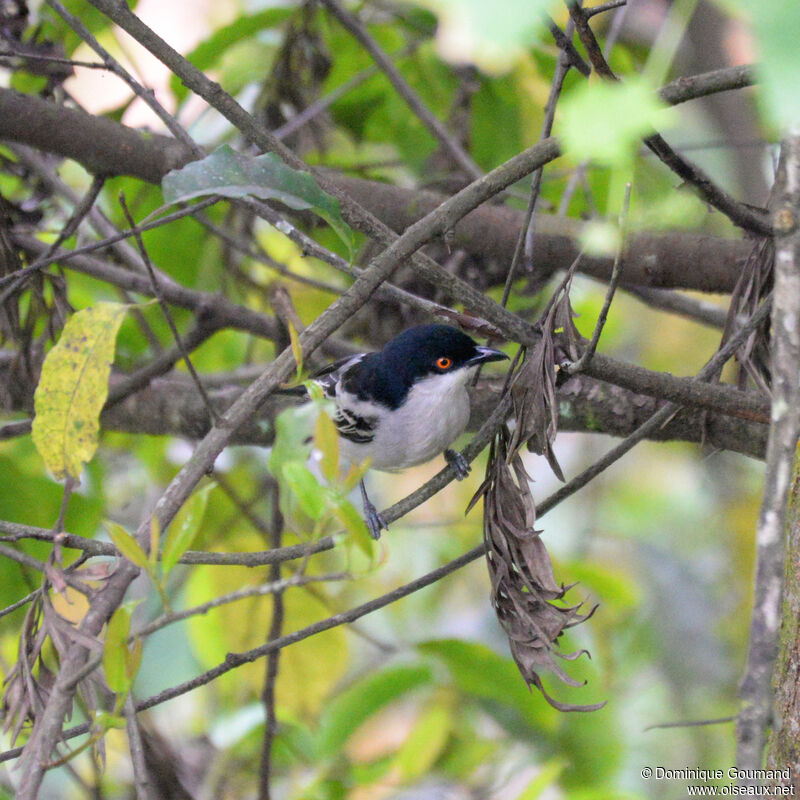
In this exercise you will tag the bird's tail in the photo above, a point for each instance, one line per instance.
(293, 391)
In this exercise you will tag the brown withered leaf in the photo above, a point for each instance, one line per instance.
(30, 680)
(524, 588)
(533, 393)
(533, 388)
(754, 284)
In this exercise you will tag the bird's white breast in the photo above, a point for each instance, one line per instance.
(433, 416)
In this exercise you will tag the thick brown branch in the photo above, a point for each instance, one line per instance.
(663, 261)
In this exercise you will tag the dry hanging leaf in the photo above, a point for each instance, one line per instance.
(523, 585)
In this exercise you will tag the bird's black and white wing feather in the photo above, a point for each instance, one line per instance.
(333, 380)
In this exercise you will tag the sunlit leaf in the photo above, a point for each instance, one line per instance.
(73, 388)
(775, 23)
(546, 777)
(352, 707)
(620, 113)
(231, 174)
(354, 524)
(115, 650)
(473, 31)
(133, 660)
(127, 545)
(326, 438)
(105, 721)
(306, 488)
(184, 528)
(155, 537)
(470, 662)
(294, 427)
(425, 744)
(297, 349)
(208, 53)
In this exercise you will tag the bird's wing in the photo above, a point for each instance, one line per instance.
(328, 377)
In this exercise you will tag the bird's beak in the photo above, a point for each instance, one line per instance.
(486, 354)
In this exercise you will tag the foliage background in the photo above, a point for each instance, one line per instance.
(420, 699)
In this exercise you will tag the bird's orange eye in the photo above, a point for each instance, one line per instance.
(444, 362)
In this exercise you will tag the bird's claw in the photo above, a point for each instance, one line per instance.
(458, 463)
(375, 521)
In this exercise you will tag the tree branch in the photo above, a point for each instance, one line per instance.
(756, 691)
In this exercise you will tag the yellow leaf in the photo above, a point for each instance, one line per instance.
(297, 350)
(115, 649)
(309, 669)
(127, 545)
(425, 744)
(327, 441)
(73, 388)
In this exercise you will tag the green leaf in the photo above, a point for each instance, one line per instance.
(127, 545)
(293, 430)
(297, 349)
(775, 23)
(184, 528)
(350, 709)
(469, 664)
(207, 54)
(306, 488)
(326, 439)
(620, 114)
(473, 31)
(425, 744)
(73, 389)
(155, 538)
(105, 721)
(133, 660)
(546, 777)
(233, 174)
(354, 524)
(115, 649)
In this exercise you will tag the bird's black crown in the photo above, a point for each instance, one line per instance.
(415, 354)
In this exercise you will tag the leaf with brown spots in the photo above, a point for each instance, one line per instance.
(73, 389)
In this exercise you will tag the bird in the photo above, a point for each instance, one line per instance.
(405, 404)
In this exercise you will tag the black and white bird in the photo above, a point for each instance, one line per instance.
(405, 404)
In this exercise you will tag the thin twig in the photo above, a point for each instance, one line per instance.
(351, 23)
(588, 40)
(111, 64)
(693, 723)
(740, 214)
(141, 776)
(40, 566)
(212, 413)
(564, 43)
(323, 103)
(235, 660)
(273, 659)
(67, 62)
(20, 603)
(589, 351)
(562, 68)
(700, 311)
(108, 241)
(172, 617)
(609, 6)
(690, 87)
(84, 206)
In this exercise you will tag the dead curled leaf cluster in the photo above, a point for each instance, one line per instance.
(525, 594)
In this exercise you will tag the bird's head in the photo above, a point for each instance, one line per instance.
(424, 352)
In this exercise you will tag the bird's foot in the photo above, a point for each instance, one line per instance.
(458, 463)
(375, 522)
